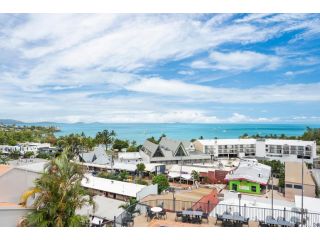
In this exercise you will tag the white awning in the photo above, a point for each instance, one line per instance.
(186, 176)
(178, 175)
(174, 175)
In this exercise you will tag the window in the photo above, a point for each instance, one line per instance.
(180, 152)
(297, 186)
(158, 153)
(288, 185)
(253, 188)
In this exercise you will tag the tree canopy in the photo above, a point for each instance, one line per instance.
(58, 194)
(162, 182)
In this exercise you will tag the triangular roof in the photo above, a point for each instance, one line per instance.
(172, 145)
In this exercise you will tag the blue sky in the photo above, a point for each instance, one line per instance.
(202, 68)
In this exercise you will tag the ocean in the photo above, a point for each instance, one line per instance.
(183, 131)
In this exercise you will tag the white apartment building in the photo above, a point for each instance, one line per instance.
(277, 149)
(23, 147)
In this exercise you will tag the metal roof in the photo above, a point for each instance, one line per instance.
(251, 171)
(112, 186)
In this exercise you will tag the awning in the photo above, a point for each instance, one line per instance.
(178, 175)
(174, 175)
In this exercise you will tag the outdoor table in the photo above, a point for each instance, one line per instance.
(156, 210)
(271, 221)
(285, 223)
(192, 213)
(233, 217)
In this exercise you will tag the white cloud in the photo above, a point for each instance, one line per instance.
(239, 61)
(88, 67)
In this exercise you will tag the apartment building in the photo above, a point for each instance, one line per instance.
(278, 149)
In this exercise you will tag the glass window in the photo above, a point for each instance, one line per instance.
(253, 188)
(288, 185)
(297, 186)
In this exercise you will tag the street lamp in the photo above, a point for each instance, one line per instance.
(239, 197)
(271, 193)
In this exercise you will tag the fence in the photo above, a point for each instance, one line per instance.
(173, 205)
(139, 207)
(260, 214)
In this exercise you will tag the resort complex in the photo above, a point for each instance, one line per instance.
(203, 183)
(278, 149)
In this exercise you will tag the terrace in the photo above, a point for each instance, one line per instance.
(169, 213)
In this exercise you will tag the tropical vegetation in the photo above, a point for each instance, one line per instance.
(277, 168)
(130, 207)
(58, 194)
(162, 182)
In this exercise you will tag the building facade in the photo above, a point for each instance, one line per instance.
(273, 149)
(169, 151)
(293, 181)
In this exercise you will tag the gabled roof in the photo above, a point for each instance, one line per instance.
(172, 145)
(150, 147)
(98, 156)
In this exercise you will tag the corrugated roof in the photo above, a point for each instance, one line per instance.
(151, 147)
(112, 186)
(251, 171)
(293, 173)
(97, 156)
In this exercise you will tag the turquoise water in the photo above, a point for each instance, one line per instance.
(140, 131)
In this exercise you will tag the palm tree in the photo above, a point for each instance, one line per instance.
(130, 207)
(105, 137)
(58, 193)
(195, 175)
(140, 168)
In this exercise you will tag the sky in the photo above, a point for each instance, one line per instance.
(190, 68)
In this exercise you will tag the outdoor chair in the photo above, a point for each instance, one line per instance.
(163, 214)
(124, 223)
(246, 221)
(205, 216)
(178, 215)
(262, 224)
(196, 220)
(185, 218)
(227, 223)
(237, 224)
(218, 218)
(148, 209)
(150, 215)
(295, 221)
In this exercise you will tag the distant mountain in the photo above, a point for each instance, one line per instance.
(10, 121)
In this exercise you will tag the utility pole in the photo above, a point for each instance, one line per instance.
(302, 191)
(271, 193)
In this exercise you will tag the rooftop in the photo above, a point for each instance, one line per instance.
(4, 168)
(251, 171)
(112, 186)
(293, 173)
(231, 141)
